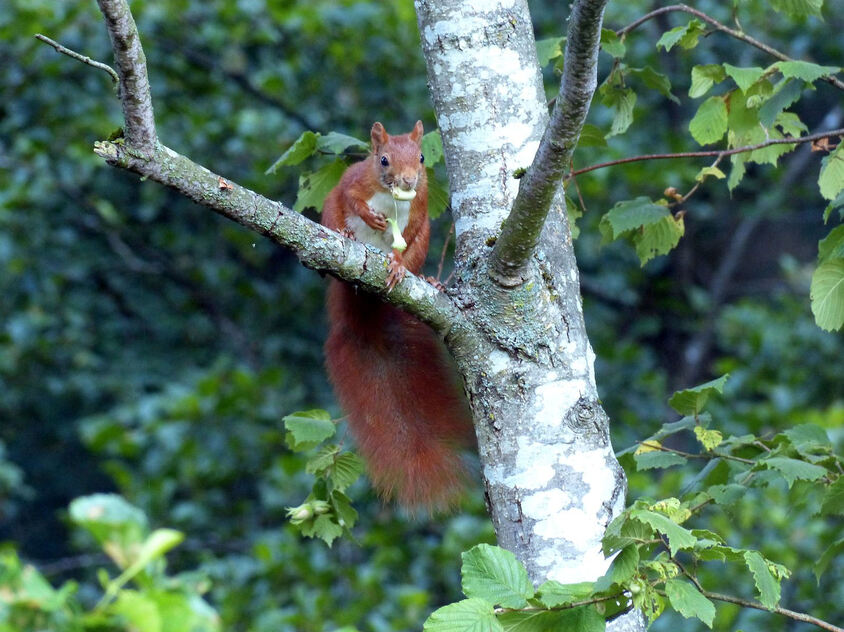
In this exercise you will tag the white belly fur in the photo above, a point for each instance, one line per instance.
(381, 202)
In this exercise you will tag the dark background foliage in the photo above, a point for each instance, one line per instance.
(152, 348)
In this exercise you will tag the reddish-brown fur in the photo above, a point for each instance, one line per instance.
(390, 372)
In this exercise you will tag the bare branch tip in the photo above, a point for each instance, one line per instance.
(115, 79)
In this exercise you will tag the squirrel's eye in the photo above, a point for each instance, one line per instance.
(422, 158)
(384, 161)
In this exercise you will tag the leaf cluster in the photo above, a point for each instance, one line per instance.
(327, 512)
(142, 596)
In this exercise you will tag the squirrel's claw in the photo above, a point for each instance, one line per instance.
(396, 272)
(436, 283)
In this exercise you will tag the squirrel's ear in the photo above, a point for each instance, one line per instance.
(379, 137)
(416, 134)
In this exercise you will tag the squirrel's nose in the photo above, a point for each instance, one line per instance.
(408, 182)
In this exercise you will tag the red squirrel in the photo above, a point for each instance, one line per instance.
(389, 370)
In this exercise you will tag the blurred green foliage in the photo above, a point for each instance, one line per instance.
(150, 348)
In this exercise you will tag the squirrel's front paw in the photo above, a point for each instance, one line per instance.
(376, 220)
(396, 271)
(436, 283)
(348, 233)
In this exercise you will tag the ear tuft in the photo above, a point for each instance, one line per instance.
(379, 137)
(416, 134)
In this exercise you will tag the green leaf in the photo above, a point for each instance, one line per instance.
(686, 36)
(432, 148)
(794, 469)
(710, 171)
(624, 530)
(737, 172)
(767, 585)
(437, 195)
(347, 469)
(611, 43)
(726, 494)
(548, 49)
(831, 180)
(591, 136)
(553, 594)
(342, 468)
(654, 80)
(691, 401)
(622, 100)
(688, 601)
(347, 516)
(798, 8)
(138, 611)
(678, 537)
(827, 294)
(324, 528)
(832, 246)
(790, 124)
(659, 238)
(709, 439)
(631, 215)
(114, 523)
(494, 574)
(581, 619)
(709, 123)
(744, 77)
(304, 147)
(315, 186)
(469, 615)
(623, 567)
(837, 203)
(335, 143)
(658, 459)
(154, 547)
(805, 70)
(832, 552)
(785, 93)
(833, 499)
(677, 511)
(308, 428)
(704, 77)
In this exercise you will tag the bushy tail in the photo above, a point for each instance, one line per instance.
(405, 409)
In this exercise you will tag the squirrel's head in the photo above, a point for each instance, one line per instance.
(399, 163)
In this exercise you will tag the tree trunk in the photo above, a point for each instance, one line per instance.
(552, 481)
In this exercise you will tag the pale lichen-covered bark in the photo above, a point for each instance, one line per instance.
(552, 480)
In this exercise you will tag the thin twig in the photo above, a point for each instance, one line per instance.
(689, 455)
(722, 153)
(791, 614)
(79, 57)
(698, 184)
(740, 35)
(798, 616)
(568, 606)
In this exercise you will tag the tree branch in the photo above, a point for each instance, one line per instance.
(719, 153)
(316, 247)
(791, 614)
(520, 232)
(134, 90)
(79, 57)
(744, 37)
